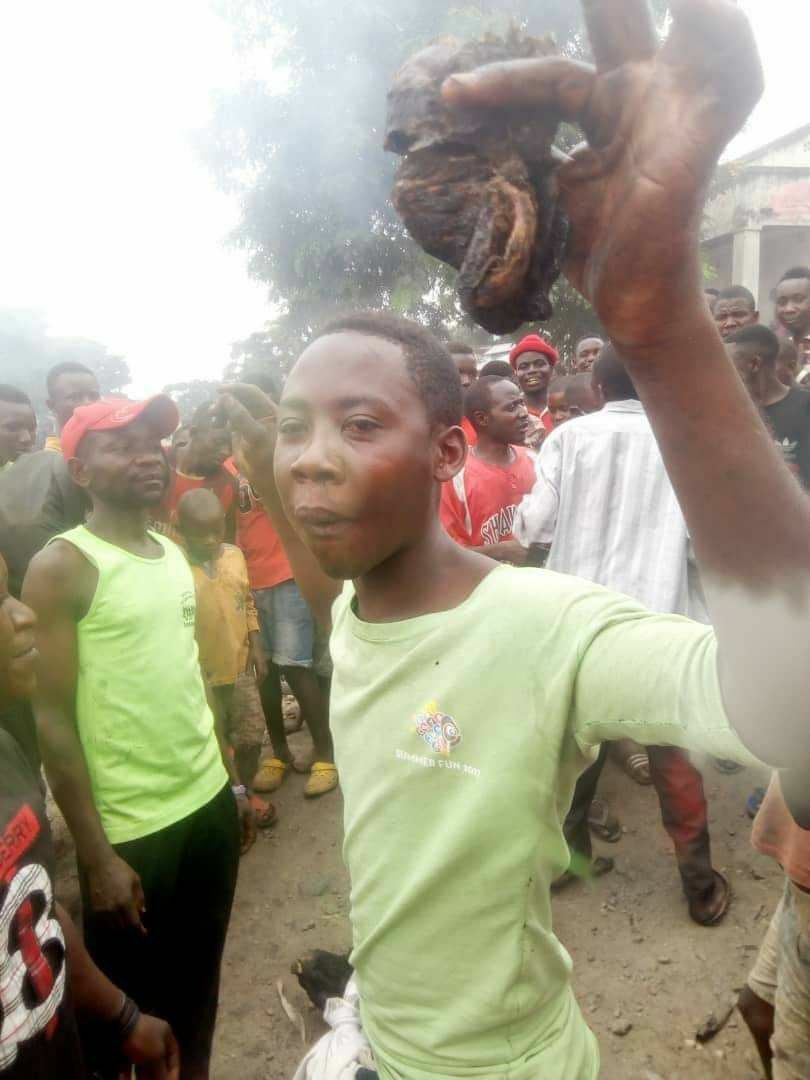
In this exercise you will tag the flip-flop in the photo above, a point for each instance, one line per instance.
(637, 767)
(602, 823)
(264, 812)
(715, 916)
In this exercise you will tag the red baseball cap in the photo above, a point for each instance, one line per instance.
(111, 413)
(534, 343)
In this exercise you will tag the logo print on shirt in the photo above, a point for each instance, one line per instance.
(189, 606)
(440, 731)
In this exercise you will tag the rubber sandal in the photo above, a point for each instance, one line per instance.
(323, 778)
(637, 767)
(602, 823)
(715, 916)
(264, 812)
(270, 775)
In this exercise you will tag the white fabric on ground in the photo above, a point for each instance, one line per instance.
(343, 1050)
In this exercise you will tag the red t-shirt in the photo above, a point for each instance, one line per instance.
(544, 416)
(223, 485)
(264, 553)
(478, 506)
(469, 431)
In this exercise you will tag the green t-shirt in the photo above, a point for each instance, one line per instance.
(459, 738)
(143, 719)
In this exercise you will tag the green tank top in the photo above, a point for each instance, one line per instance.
(142, 715)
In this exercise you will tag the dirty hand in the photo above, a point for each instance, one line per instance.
(152, 1048)
(251, 417)
(656, 120)
(115, 890)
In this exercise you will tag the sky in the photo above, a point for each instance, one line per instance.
(110, 223)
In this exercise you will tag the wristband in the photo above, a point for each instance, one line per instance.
(127, 1018)
(239, 790)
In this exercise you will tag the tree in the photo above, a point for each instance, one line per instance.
(303, 152)
(188, 396)
(27, 352)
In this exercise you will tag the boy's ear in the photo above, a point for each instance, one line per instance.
(450, 450)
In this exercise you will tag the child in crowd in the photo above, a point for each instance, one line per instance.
(570, 396)
(479, 503)
(231, 653)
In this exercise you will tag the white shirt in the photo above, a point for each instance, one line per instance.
(604, 502)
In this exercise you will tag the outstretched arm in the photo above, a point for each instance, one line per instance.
(656, 121)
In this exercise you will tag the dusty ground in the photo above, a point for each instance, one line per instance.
(637, 957)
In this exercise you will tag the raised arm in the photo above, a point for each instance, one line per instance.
(53, 588)
(656, 121)
(252, 420)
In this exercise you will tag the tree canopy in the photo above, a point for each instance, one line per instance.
(300, 144)
(28, 351)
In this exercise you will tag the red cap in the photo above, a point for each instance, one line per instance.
(111, 413)
(534, 343)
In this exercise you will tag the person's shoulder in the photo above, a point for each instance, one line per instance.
(60, 567)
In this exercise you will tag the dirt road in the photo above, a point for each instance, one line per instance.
(638, 959)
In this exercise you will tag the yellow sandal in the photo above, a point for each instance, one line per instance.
(271, 775)
(323, 777)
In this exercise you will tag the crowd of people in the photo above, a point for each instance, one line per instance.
(476, 579)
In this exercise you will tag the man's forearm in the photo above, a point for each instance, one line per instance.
(750, 526)
(92, 992)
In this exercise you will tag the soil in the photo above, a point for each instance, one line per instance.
(641, 966)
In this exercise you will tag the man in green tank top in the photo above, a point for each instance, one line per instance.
(127, 737)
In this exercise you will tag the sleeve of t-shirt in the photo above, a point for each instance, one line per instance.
(536, 517)
(452, 515)
(652, 678)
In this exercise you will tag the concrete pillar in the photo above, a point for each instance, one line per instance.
(745, 260)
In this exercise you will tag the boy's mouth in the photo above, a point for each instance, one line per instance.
(319, 521)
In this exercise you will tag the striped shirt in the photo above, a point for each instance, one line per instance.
(603, 500)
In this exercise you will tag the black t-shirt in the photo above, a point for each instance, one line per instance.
(38, 1036)
(789, 421)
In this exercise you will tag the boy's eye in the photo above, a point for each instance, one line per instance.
(291, 427)
(361, 425)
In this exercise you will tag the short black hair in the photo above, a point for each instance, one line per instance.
(66, 367)
(738, 292)
(265, 380)
(502, 368)
(459, 348)
(757, 338)
(711, 291)
(795, 272)
(13, 396)
(479, 397)
(427, 361)
(559, 382)
(197, 500)
(611, 374)
(204, 416)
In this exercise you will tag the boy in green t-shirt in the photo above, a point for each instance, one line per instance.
(467, 696)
